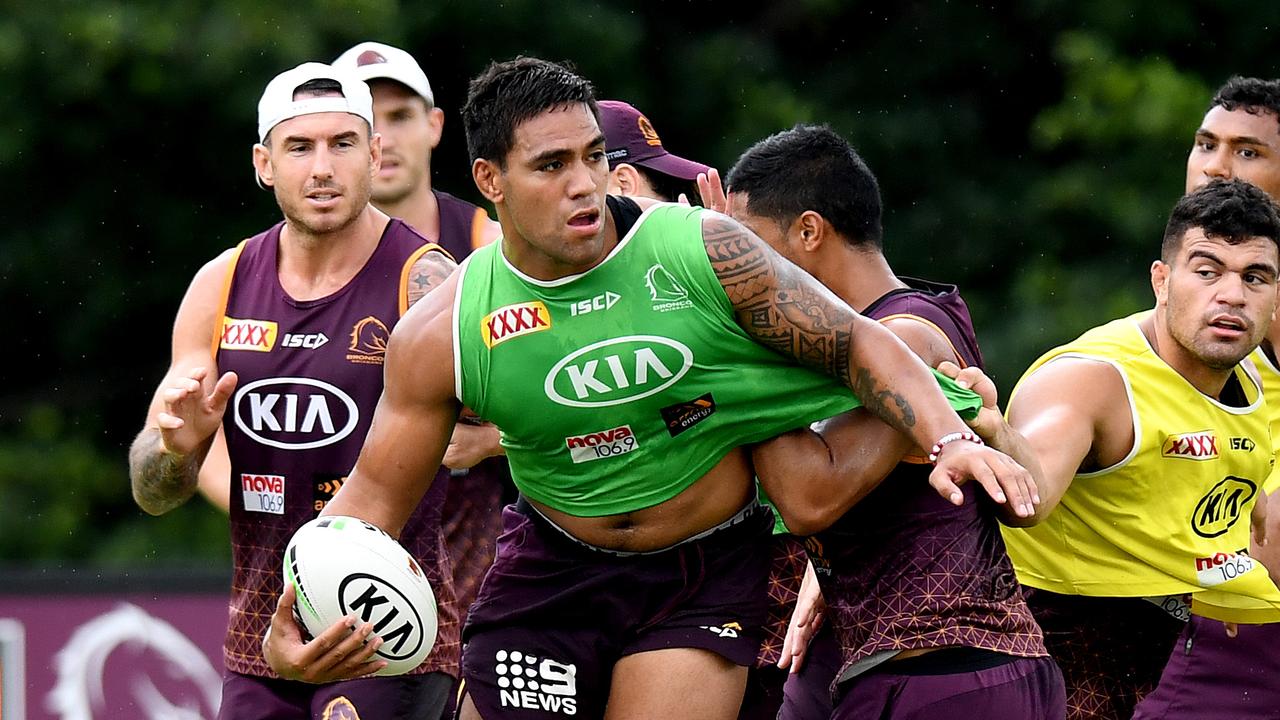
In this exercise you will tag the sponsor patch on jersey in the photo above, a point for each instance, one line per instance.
(1243, 443)
(255, 335)
(682, 416)
(1201, 445)
(604, 301)
(308, 341)
(528, 682)
(294, 413)
(325, 487)
(1223, 506)
(1222, 567)
(513, 321)
(263, 493)
(369, 338)
(603, 444)
(617, 371)
(666, 293)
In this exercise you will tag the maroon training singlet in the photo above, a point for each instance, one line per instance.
(310, 376)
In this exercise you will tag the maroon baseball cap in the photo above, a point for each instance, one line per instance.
(629, 138)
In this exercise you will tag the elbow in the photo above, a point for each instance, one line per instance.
(807, 518)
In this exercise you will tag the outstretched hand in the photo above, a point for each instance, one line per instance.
(712, 191)
(342, 652)
(1004, 480)
(190, 416)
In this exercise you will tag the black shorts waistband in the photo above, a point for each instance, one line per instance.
(751, 510)
(946, 661)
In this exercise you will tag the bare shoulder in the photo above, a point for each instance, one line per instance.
(211, 278)
(428, 273)
(421, 347)
(1084, 387)
(924, 339)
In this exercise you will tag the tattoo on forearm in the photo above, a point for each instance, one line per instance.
(787, 311)
(427, 274)
(161, 481)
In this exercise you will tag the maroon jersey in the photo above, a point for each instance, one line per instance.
(472, 513)
(310, 376)
(906, 569)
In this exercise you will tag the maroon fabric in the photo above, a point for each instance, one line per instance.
(904, 568)
(296, 423)
(407, 697)
(456, 217)
(1023, 689)
(1111, 650)
(1211, 676)
(567, 613)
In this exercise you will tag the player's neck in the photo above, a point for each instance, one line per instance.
(859, 277)
(541, 265)
(1207, 380)
(419, 209)
(313, 266)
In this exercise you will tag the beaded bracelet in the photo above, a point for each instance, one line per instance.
(950, 438)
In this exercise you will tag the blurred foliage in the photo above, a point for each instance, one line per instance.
(1027, 151)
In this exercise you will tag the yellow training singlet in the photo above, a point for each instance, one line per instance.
(1172, 517)
(1271, 391)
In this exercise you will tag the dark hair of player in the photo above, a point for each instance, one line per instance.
(1232, 210)
(1253, 95)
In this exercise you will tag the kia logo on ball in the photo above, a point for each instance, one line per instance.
(394, 618)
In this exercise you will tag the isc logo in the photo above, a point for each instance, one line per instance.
(617, 371)
(310, 341)
(393, 616)
(603, 301)
(294, 413)
(1222, 506)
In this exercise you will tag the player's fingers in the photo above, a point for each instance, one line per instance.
(940, 481)
(986, 477)
(950, 369)
(198, 374)
(1231, 628)
(1018, 486)
(223, 388)
(355, 643)
(682, 199)
(165, 421)
(174, 395)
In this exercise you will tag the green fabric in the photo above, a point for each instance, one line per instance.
(590, 376)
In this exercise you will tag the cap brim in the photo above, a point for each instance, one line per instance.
(672, 165)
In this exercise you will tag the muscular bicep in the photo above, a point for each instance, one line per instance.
(1074, 413)
(411, 424)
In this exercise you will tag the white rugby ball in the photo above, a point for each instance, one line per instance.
(342, 566)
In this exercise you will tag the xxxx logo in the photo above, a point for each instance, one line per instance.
(1201, 445)
(255, 335)
(512, 321)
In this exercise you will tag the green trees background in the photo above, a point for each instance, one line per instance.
(1027, 151)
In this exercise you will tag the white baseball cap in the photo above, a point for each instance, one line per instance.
(373, 60)
(277, 103)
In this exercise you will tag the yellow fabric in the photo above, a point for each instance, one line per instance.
(1271, 391)
(1173, 516)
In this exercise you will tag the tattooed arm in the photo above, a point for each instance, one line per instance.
(427, 273)
(187, 408)
(785, 309)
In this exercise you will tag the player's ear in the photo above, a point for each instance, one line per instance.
(262, 164)
(435, 126)
(624, 180)
(1160, 280)
(811, 230)
(375, 154)
(488, 179)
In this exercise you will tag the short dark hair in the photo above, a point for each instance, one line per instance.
(1232, 210)
(810, 167)
(1253, 95)
(509, 93)
(670, 187)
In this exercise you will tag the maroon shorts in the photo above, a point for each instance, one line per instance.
(1211, 676)
(1111, 650)
(416, 697)
(1013, 689)
(554, 615)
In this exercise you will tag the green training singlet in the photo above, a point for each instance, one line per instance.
(618, 387)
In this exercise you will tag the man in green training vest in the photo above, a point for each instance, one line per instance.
(629, 355)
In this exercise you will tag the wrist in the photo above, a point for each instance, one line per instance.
(964, 436)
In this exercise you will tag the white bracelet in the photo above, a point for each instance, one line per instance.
(950, 438)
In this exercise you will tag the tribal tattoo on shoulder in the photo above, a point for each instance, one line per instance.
(428, 273)
(786, 310)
